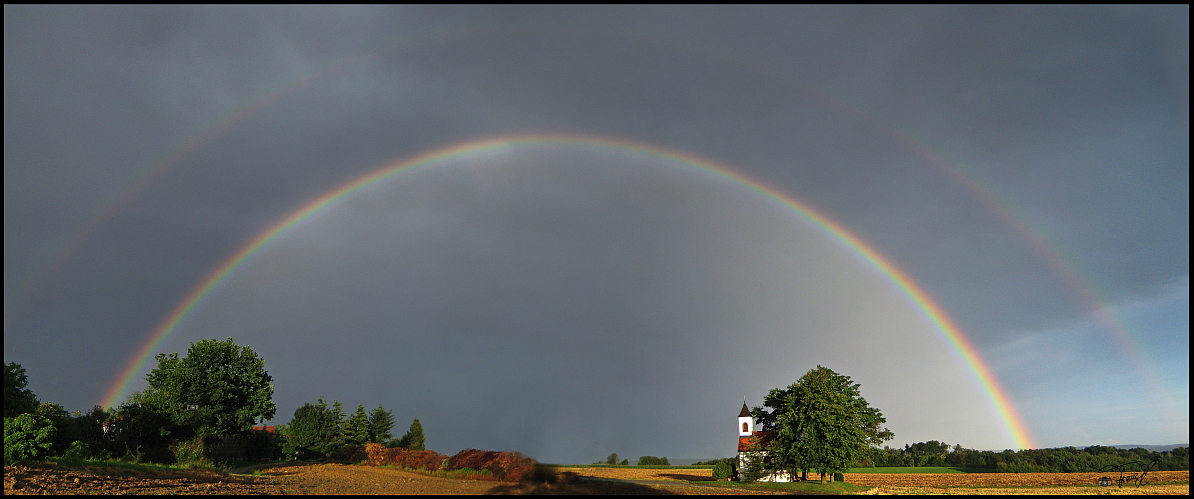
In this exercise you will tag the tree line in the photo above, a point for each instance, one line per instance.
(317, 431)
(612, 459)
(219, 389)
(1055, 460)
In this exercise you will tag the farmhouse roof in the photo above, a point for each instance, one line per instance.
(744, 413)
(765, 438)
(268, 429)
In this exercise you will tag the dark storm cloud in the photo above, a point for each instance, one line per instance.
(1074, 120)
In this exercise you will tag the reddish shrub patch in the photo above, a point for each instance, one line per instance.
(504, 466)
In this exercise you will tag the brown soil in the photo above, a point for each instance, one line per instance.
(346, 479)
(1004, 479)
(292, 479)
(50, 479)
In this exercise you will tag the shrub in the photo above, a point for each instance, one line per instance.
(722, 470)
(838, 477)
(189, 452)
(481, 464)
(75, 454)
(350, 453)
(26, 436)
(373, 453)
(472, 458)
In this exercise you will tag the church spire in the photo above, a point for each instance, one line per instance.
(746, 422)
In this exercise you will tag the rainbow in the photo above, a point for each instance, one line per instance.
(949, 330)
(66, 248)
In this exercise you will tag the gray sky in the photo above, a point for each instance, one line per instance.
(1027, 167)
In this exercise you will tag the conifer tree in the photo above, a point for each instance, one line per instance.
(413, 439)
(381, 422)
(356, 427)
(313, 432)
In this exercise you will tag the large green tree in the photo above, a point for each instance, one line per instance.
(219, 387)
(822, 423)
(18, 399)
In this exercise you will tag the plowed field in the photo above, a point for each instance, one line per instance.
(691, 475)
(944, 483)
(344, 479)
(1000, 479)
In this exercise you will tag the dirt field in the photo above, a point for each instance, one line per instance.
(942, 483)
(345, 479)
(300, 479)
(1001, 479)
(643, 474)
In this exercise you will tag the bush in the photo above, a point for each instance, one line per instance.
(26, 436)
(75, 454)
(504, 466)
(190, 452)
(350, 453)
(722, 470)
(472, 458)
(838, 477)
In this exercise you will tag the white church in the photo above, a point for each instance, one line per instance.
(747, 433)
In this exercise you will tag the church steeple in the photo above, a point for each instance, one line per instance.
(746, 422)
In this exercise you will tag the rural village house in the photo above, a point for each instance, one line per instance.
(746, 434)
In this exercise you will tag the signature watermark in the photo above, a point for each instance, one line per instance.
(1126, 476)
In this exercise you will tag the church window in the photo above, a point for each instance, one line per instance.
(743, 427)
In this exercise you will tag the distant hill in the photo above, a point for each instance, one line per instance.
(1154, 448)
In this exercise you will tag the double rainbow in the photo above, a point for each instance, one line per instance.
(933, 312)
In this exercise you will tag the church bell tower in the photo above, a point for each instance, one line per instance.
(746, 422)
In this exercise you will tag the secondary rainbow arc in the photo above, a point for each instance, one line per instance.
(67, 247)
(933, 312)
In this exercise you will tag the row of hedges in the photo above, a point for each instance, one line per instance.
(504, 466)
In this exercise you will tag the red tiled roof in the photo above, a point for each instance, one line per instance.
(765, 438)
(268, 429)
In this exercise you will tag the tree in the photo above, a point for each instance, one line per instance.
(356, 427)
(139, 424)
(722, 470)
(17, 398)
(653, 461)
(752, 466)
(612, 459)
(218, 388)
(413, 439)
(66, 430)
(822, 423)
(625, 462)
(314, 432)
(381, 422)
(26, 436)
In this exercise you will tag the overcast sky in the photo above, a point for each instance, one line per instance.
(1027, 167)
